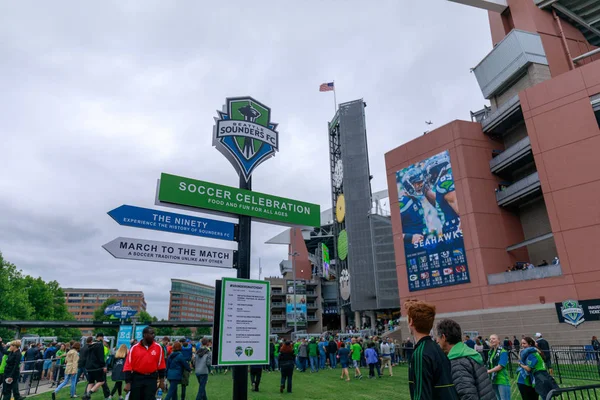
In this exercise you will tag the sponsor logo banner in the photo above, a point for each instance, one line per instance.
(433, 238)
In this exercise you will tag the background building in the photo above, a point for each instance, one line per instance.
(191, 301)
(527, 181)
(83, 302)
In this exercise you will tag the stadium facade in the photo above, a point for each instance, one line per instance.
(517, 185)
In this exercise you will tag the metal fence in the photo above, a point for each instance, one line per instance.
(591, 392)
(31, 380)
(576, 362)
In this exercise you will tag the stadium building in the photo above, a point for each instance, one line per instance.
(322, 283)
(496, 220)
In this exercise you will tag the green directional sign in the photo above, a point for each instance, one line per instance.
(233, 201)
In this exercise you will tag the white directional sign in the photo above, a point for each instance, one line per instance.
(176, 253)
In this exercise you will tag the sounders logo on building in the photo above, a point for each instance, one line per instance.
(572, 312)
(245, 135)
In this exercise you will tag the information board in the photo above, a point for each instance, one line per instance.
(244, 327)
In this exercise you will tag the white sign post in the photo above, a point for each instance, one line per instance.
(245, 316)
(176, 253)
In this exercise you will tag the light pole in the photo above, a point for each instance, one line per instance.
(294, 254)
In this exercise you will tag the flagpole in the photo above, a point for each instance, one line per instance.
(334, 100)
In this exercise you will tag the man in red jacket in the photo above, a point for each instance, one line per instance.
(145, 364)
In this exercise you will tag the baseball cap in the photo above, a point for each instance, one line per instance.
(538, 335)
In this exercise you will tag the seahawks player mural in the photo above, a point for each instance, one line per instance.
(433, 238)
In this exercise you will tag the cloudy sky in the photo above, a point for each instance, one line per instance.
(99, 98)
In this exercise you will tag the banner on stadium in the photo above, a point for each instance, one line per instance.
(298, 315)
(575, 312)
(433, 239)
(124, 336)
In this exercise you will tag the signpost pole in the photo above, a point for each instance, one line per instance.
(240, 374)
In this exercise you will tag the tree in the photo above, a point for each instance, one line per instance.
(99, 316)
(145, 318)
(26, 298)
(164, 331)
(203, 330)
(185, 331)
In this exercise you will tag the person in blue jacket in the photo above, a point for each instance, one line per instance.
(176, 365)
(322, 352)
(187, 349)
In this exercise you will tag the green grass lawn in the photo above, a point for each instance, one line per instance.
(319, 386)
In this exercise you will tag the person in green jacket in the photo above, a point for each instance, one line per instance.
(3, 367)
(276, 354)
(469, 373)
(313, 355)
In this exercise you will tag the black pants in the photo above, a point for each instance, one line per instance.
(372, 370)
(287, 372)
(255, 375)
(105, 389)
(118, 387)
(8, 388)
(271, 362)
(143, 387)
(528, 392)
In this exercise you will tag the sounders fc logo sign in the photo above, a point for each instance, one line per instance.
(572, 312)
(245, 134)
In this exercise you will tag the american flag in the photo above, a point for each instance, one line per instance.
(326, 87)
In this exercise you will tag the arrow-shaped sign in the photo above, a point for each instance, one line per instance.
(146, 218)
(176, 253)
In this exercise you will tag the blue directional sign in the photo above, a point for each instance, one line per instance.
(146, 218)
(117, 310)
(111, 309)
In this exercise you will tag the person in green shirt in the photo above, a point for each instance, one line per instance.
(355, 353)
(296, 350)
(313, 355)
(534, 380)
(56, 370)
(277, 345)
(497, 362)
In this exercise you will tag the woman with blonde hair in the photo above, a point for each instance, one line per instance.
(72, 360)
(118, 376)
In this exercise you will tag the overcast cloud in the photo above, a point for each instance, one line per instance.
(98, 98)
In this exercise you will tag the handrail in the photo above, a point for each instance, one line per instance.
(586, 55)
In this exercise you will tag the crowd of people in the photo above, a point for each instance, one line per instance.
(443, 366)
(522, 266)
(138, 371)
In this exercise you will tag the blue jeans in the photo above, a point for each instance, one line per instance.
(72, 378)
(332, 360)
(202, 381)
(314, 363)
(79, 372)
(502, 392)
(276, 362)
(172, 393)
(322, 357)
